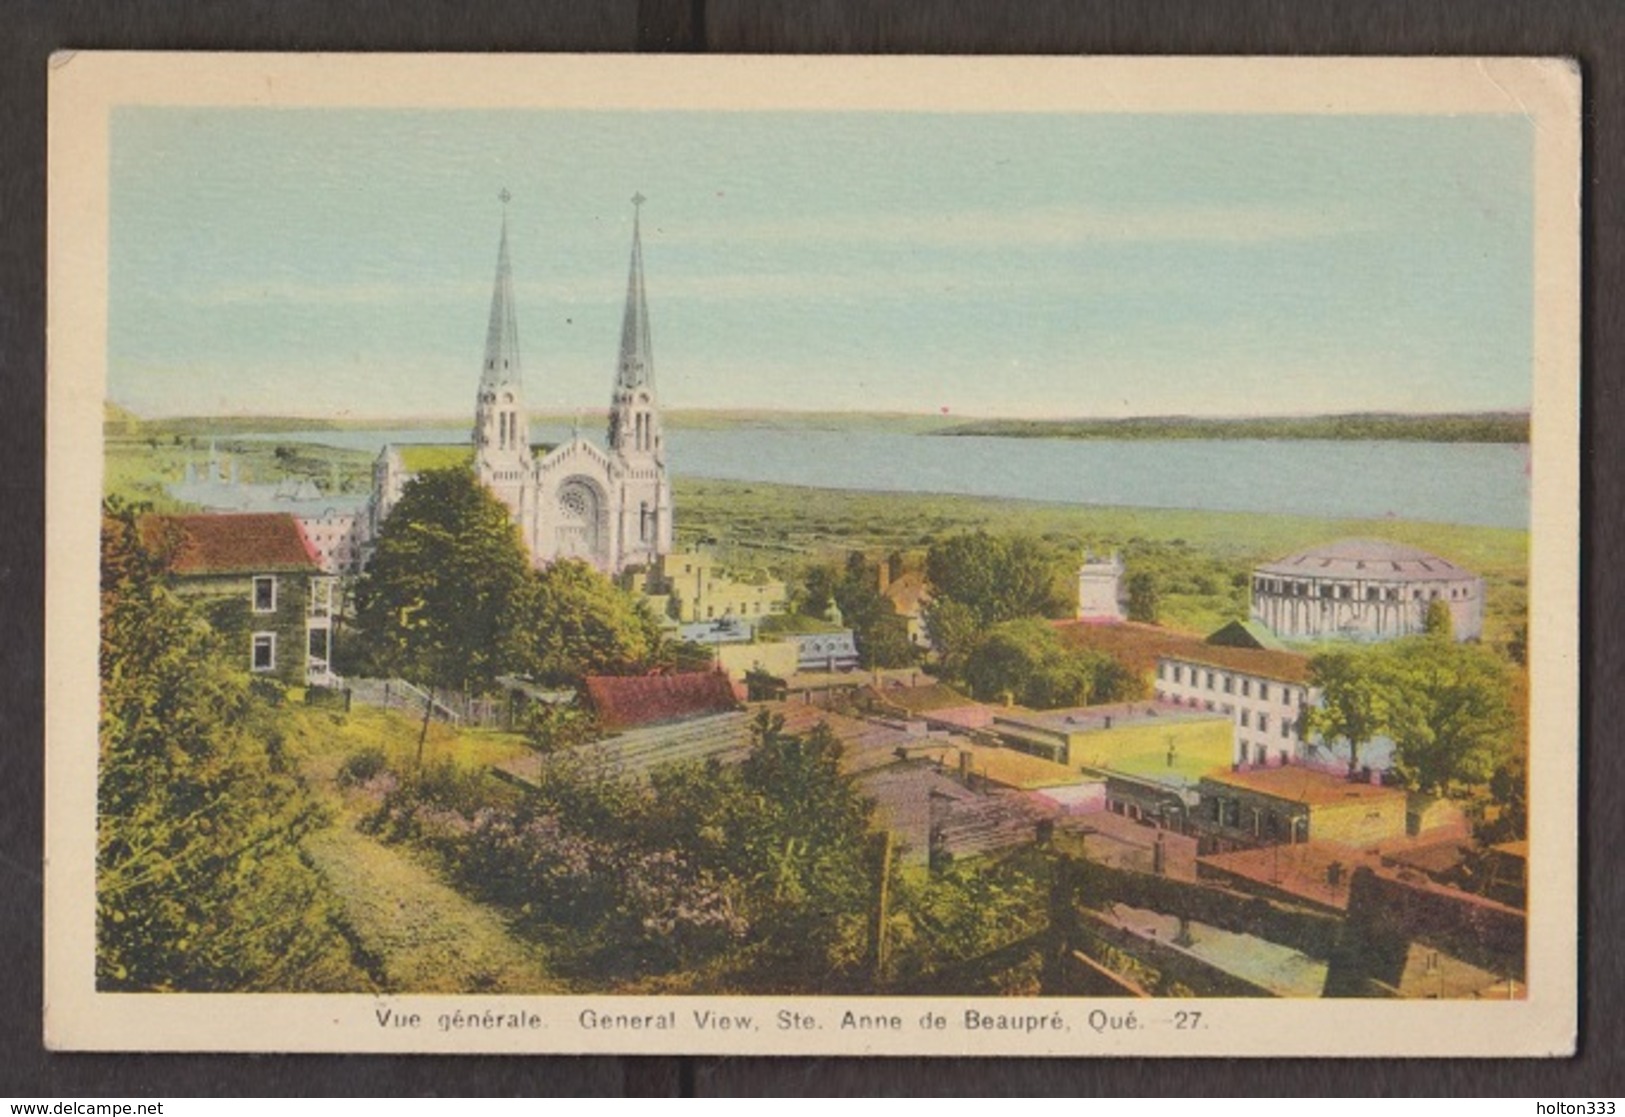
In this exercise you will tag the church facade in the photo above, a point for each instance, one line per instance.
(609, 506)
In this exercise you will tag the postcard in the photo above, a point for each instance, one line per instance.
(992, 556)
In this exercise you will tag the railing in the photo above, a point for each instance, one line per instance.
(398, 694)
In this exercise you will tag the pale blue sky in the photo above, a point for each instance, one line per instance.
(339, 262)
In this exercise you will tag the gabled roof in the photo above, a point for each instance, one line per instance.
(1139, 646)
(623, 702)
(1247, 634)
(241, 544)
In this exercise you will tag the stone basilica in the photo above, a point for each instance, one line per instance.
(608, 506)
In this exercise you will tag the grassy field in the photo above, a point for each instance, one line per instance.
(415, 932)
(788, 526)
(783, 528)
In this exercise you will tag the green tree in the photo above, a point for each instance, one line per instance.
(1449, 712)
(881, 635)
(804, 853)
(550, 728)
(1354, 697)
(1026, 661)
(576, 622)
(1509, 791)
(819, 583)
(438, 603)
(999, 578)
(1437, 622)
(953, 629)
(1007, 660)
(1144, 597)
(199, 883)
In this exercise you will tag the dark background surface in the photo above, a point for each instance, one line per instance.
(30, 30)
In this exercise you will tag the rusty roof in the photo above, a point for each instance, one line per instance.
(627, 701)
(245, 543)
(1139, 646)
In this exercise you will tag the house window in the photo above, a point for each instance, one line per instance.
(1162, 670)
(1263, 723)
(265, 594)
(1210, 680)
(1246, 688)
(1286, 728)
(1229, 684)
(1264, 692)
(1246, 720)
(264, 656)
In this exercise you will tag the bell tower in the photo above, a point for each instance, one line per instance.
(501, 433)
(635, 438)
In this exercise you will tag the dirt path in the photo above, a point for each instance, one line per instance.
(418, 934)
(415, 933)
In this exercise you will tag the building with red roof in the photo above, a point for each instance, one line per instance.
(631, 701)
(260, 583)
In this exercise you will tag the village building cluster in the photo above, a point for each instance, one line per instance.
(1213, 787)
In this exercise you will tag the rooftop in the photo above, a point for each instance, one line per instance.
(1139, 646)
(1019, 770)
(1302, 785)
(624, 702)
(1116, 715)
(231, 544)
(921, 699)
(1374, 559)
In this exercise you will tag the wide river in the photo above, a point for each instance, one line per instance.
(1461, 483)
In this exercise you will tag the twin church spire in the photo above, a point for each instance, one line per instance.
(500, 431)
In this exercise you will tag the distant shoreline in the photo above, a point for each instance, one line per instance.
(1505, 427)
(1492, 427)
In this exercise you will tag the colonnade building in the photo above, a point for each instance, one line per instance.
(1364, 589)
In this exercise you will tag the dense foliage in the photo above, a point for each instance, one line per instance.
(986, 621)
(1447, 707)
(199, 883)
(439, 603)
(1025, 661)
(573, 621)
(761, 867)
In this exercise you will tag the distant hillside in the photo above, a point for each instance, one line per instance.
(676, 419)
(119, 420)
(896, 422)
(1487, 426)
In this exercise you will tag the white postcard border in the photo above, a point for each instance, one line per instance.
(86, 87)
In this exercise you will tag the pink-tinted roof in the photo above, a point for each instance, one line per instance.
(232, 544)
(623, 702)
(1369, 559)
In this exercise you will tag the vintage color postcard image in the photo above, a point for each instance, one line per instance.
(996, 556)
